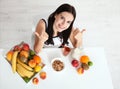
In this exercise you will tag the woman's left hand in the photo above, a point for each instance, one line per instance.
(78, 36)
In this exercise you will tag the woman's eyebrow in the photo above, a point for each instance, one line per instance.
(65, 18)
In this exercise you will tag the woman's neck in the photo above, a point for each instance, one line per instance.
(55, 33)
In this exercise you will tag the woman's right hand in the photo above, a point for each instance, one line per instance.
(42, 37)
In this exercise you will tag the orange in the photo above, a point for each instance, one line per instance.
(37, 59)
(84, 59)
(9, 55)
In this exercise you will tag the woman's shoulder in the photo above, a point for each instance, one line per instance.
(42, 22)
(41, 26)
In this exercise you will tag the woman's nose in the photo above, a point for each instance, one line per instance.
(63, 23)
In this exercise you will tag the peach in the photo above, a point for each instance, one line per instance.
(32, 63)
(80, 70)
(9, 55)
(43, 75)
(35, 81)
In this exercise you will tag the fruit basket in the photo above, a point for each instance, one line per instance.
(24, 61)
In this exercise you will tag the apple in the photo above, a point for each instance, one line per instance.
(17, 48)
(26, 47)
(35, 81)
(75, 63)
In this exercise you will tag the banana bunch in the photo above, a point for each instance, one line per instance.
(24, 70)
(13, 61)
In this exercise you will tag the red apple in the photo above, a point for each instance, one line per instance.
(35, 81)
(17, 48)
(75, 63)
(26, 47)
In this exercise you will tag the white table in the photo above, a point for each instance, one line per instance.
(97, 77)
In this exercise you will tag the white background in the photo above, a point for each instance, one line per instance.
(100, 18)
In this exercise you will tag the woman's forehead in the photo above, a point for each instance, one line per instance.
(67, 15)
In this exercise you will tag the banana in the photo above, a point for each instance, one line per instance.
(20, 72)
(14, 58)
(24, 65)
(24, 71)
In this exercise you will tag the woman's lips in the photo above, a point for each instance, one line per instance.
(60, 27)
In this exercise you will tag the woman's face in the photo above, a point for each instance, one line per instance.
(62, 21)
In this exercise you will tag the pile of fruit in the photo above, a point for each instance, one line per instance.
(24, 61)
(80, 63)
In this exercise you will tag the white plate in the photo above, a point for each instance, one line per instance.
(60, 59)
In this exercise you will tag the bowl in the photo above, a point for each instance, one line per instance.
(58, 64)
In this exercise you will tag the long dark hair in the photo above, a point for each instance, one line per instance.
(66, 33)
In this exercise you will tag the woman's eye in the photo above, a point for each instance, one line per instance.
(62, 17)
(69, 22)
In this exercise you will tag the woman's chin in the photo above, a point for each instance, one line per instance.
(60, 30)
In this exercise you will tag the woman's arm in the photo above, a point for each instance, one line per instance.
(76, 37)
(40, 36)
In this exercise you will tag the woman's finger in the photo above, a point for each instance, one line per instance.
(37, 34)
(83, 30)
(75, 31)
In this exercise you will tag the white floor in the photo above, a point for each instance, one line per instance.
(101, 19)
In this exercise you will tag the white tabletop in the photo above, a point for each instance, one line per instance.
(97, 77)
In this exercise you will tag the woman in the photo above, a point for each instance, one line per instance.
(58, 30)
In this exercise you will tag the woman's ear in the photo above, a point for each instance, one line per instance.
(55, 16)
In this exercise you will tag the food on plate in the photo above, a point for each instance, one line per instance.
(32, 63)
(24, 53)
(24, 61)
(9, 55)
(26, 79)
(57, 65)
(37, 59)
(23, 58)
(35, 80)
(24, 71)
(26, 47)
(80, 70)
(14, 59)
(43, 75)
(75, 63)
(17, 47)
(32, 52)
(37, 68)
(24, 65)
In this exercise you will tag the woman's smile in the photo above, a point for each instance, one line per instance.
(62, 21)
